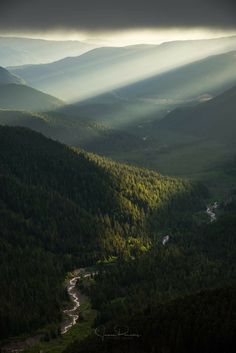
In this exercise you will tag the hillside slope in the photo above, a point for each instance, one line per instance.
(22, 97)
(214, 119)
(198, 139)
(176, 298)
(195, 141)
(61, 208)
(72, 130)
(7, 78)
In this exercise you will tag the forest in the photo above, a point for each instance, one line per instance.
(176, 298)
(62, 208)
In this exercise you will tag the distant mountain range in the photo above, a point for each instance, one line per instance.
(105, 69)
(153, 98)
(22, 51)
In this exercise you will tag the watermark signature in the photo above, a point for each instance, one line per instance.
(118, 332)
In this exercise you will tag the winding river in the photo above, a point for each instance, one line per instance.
(75, 297)
(211, 211)
(73, 313)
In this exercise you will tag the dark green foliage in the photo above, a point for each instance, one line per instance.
(203, 322)
(70, 129)
(61, 208)
(157, 295)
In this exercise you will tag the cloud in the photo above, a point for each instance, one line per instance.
(95, 15)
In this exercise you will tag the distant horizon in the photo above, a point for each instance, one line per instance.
(126, 37)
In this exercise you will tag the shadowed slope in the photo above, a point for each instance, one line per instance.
(21, 97)
(6, 77)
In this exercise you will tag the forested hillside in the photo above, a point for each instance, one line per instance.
(75, 131)
(62, 208)
(202, 322)
(177, 298)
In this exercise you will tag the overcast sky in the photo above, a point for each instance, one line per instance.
(111, 14)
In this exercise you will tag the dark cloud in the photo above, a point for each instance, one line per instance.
(115, 14)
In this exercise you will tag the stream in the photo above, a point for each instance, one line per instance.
(211, 211)
(72, 314)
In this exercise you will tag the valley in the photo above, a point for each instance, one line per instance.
(117, 196)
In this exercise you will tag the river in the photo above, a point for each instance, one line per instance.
(73, 313)
(211, 211)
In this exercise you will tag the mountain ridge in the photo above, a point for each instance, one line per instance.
(122, 65)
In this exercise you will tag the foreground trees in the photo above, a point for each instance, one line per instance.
(62, 208)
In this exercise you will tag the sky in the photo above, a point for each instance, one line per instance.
(118, 21)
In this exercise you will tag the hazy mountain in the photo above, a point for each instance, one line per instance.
(135, 109)
(197, 81)
(22, 97)
(22, 51)
(153, 98)
(6, 77)
(215, 118)
(194, 141)
(105, 69)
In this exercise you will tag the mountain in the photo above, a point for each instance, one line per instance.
(213, 119)
(105, 69)
(23, 51)
(6, 78)
(62, 208)
(151, 99)
(195, 141)
(206, 77)
(22, 97)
